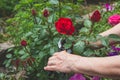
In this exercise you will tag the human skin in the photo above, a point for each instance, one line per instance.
(94, 66)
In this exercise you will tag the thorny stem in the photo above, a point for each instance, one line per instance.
(91, 29)
(27, 51)
(49, 29)
(35, 20)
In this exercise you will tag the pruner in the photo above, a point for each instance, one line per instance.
(61, 43)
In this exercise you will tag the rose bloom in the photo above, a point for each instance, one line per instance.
(23, 43)
(33, 12)
(96, 16)
(114, 19)
(65, 26)
(77, 77)
(46, 13)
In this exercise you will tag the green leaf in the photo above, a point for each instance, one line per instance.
(71, 38)
(67, 7)
(88, 52)
(66, 46)
(21, 52)
(87, 23)
(84, 30)
(24, 56)
(28, 34)
(53, 2)
(9, 55)
(79, 47)
(105, 41)
(10, 49)
(114, 37)
(50, 18)
(52, 50)
(7, 63)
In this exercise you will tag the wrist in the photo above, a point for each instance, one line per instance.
(83, 65)
(76, 64)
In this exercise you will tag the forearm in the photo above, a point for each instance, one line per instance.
(113, 30)
(104, 67)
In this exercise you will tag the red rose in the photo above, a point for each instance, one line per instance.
(34, 12)
(96, 16)
(45, 13)
(65, 26)
(24, 43)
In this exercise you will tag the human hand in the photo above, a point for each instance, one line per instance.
(61, 61)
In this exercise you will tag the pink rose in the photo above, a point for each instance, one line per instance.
(114, 19)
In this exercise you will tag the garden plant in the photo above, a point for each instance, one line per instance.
(41, 27)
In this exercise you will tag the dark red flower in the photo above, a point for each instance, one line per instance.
(24, 63)
(33, 12)
(23, 43)
(65, 26)
(16, 62)
(46, 13)
(30, 60)
(96, 16)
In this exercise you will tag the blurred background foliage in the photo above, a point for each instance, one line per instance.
(7, 7)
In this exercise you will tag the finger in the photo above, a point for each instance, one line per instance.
(52, 58)
(51, 62)
(54, 62)
(50, 68)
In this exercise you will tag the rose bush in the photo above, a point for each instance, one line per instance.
(37, 28)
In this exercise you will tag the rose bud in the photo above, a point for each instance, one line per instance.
(30, 60)
(16, 63)
(34, 12)
(46, 13)
(23, 43)
(96, 16)
(24, 63)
